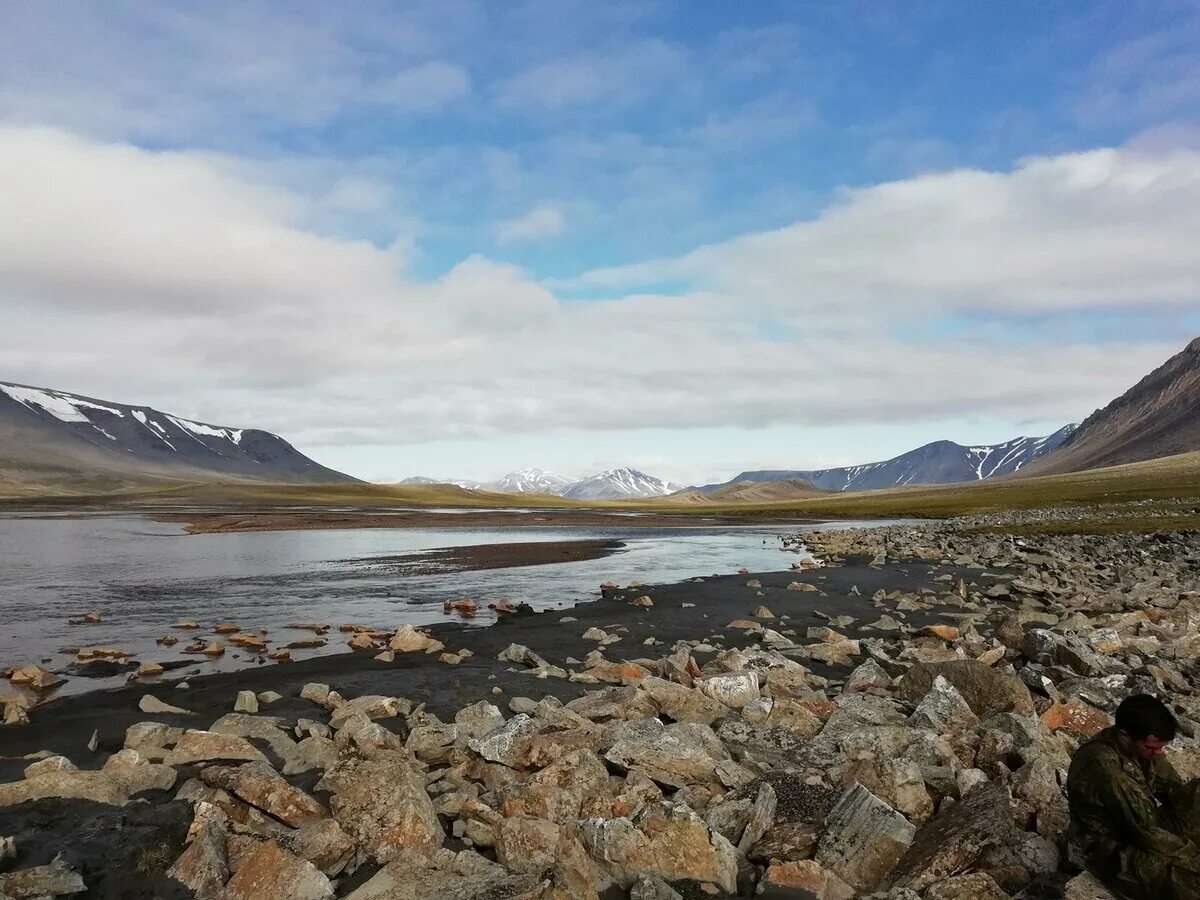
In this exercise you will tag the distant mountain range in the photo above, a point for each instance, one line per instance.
(1159, 416)
(614, 484)
(50, 436)
(941, 462)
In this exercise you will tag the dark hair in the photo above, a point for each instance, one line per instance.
(1142, 715)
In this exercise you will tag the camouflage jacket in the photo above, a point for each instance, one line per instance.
(1126, 815)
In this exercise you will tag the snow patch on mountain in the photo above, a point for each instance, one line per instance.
(529, 481)
(618, 484)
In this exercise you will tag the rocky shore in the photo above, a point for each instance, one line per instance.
(894, 723)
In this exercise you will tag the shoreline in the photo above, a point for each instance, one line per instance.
(65, 724)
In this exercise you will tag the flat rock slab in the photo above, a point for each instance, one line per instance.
(952, 841)
(864, 839)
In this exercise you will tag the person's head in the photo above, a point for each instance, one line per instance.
(1144, 726)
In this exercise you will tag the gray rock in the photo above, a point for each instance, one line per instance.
(864, 839)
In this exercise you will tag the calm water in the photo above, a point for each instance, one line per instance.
(143, 575)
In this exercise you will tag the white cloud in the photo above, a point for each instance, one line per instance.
(541, 222)
(1107, 229)
(178, 280)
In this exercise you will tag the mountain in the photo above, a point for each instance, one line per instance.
(617, 484)
(942, 462)
(753, 492)
(529, 481)
(456, 482)
(1158, 416)
(53, 436)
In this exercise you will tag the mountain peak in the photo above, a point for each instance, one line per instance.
(73, 438)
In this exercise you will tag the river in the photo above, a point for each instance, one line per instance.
(142, 575)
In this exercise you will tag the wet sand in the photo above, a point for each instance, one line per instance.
(480, 557)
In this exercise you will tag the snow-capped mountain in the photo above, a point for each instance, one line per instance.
(618, 484)
(942, 462)
(457, 482)
(53, 434)
(529, 481)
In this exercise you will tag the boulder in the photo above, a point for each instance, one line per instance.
(675, 755)
(986, 690)
(1076, 718)
(206, 746)
(271, 873)
(409, 640)
(868, 675)
(952, 841)
(509, 744)
(733, 690)
(668, 840)
(204, 866)
(54, 880)
(1087, 887)
(864, 839)
(323, 843)
(525, 845)
(976, 886)
(382, 804)
(247, 702)
(807, 877)
(151, 704)
(943, 709)
(263, 788)
(124, 774)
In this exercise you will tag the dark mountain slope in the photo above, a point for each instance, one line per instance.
(1159, 416)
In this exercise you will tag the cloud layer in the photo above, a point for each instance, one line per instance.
(176, 279)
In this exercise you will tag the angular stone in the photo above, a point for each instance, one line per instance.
(509, 744)
(1077, 718)
(372, 706)
(675, 755)
(409, 640)
(669, 840)
(868, 675)
(478, 720)
(807, 876)
(124, 774)
(41, 881)
(322, 843)
(317, 693)
(976, 886)
(943, 709)
(986, 690)
(733, 690)
(382, 804)
(573, 787)
(263, 788)
(247, 702)
(151, 737)
(525, 845)
(953, 840)
(1087, 887)
(864, 839)
(204, 867)
(151, 704)
(272, 873)
(206, 746)
(50, 765)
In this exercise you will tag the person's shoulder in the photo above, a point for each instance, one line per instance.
(1096, 754)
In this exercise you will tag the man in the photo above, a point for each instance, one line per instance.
(1132, 817)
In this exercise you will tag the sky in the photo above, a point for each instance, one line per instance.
(461, 237)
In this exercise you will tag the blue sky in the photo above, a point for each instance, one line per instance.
(462, 237)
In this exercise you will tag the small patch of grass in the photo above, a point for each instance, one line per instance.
(155, 860)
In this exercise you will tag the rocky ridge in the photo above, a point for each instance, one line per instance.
(915, 751)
